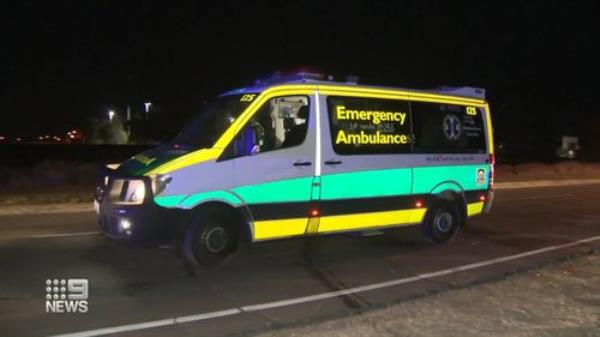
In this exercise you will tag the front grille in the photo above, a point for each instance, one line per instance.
(109, 224)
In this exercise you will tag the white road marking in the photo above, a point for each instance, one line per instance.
(45, 236)
(544, 183)
(555, 196)
(321, 296)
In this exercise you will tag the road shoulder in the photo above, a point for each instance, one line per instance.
(558, 300)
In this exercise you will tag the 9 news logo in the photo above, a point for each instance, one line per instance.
(67, 295)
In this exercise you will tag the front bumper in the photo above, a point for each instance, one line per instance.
(140, 225)
(146, 224)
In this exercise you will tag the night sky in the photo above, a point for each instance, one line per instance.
(63, 62)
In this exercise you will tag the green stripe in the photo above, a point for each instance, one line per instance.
(362, 184)
(427, 178)
(297, 189)
(198, 198)
(316, 190)
(169, 200)
(365, 184)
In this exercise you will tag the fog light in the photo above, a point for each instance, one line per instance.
(125, 225)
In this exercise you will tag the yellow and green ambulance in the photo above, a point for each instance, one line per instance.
(297, 156)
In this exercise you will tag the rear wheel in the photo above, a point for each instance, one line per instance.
(442, 222)
(209, 239)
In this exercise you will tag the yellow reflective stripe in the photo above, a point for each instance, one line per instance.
(398, 94)
(490, 132)
(417, 215)
(272, 229)
(186, 160)
(474, 208)
(313, 226)
(337, 223)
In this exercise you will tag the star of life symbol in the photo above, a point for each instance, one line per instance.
(452, 127)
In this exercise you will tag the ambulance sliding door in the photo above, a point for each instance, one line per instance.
(365, 162)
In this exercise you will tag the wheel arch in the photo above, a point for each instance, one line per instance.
(451, 191)
(240, 214)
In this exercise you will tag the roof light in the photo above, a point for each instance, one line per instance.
(294, 75)
(351, 79)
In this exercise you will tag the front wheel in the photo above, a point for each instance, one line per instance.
(209, 239)
(442, 222)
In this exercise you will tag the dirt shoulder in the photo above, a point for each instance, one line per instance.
(48, 195)
(559, 300)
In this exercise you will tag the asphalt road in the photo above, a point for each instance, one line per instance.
(131, 286)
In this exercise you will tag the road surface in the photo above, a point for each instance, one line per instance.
(147, 292)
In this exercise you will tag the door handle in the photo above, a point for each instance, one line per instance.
(302, 163)
(333, 162)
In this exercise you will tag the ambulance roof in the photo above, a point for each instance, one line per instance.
(315, 79)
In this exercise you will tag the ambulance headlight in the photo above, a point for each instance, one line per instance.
(160, 183)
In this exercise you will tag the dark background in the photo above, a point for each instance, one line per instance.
(64, 62)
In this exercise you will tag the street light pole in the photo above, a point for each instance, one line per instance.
(147, 107)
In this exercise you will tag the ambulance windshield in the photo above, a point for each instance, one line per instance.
(213, 119)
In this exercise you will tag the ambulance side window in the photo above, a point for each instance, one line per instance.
(280, 123)
(447, 128)
(369, 125)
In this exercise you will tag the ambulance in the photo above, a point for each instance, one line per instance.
(300, 155)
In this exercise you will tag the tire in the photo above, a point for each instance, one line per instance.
(209, 239)
(442, 222)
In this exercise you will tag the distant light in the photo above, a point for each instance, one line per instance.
(314, 212)
(111, 115)
(147, 106)
(419, 204)
(482, 198)
(2, 138)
